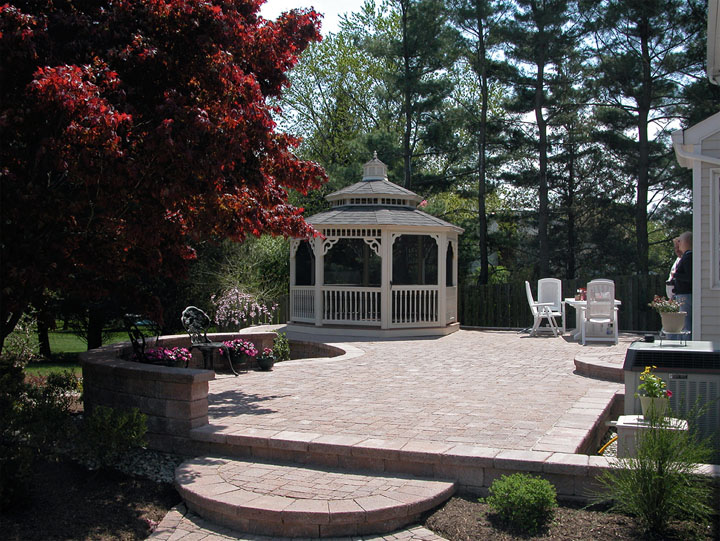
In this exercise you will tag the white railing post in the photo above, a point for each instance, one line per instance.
(319, 248)
(386, 277)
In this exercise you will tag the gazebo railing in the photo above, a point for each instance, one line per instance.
(302, 303)
(411, 306)
(414, 306)
(352, 305)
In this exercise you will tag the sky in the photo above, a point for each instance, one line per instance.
(331, 9)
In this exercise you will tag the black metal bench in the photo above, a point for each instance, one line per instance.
(141, 330)
(196, 323)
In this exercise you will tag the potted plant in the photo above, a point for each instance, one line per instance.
(266, 359)
(241, 351)
(176, 356)
(673, 320)
(653, 394)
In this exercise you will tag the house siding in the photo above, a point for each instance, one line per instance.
(708, 237)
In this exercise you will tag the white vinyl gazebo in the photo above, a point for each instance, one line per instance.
(382, 267)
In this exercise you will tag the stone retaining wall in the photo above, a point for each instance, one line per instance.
(175, 400)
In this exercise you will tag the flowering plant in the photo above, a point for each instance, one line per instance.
(235, 308)
(653, 385)
(169, 356)
(240, 346)
(267, 354)
(662, 304)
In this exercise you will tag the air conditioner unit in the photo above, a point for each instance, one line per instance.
(692, 373)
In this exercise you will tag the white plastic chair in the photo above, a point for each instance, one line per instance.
(601, 310)
(550, 291)
(540, 311)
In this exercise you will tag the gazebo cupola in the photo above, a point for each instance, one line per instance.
(382, 266)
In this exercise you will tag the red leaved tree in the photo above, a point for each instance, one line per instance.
(130, 129)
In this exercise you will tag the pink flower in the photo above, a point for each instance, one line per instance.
(423, 204)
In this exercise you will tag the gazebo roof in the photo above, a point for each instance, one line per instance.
(372, 216)
(375, 201)
(375, 187)
(376, 184)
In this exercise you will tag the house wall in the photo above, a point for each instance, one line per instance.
(707, 242)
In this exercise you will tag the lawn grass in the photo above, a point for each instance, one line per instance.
(44, 368)
(65, 347)
(67, 342)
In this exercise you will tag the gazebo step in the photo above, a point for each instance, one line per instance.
(287, 500)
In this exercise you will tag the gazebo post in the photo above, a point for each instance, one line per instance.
(319, 248)
(386, 277)
(294, 243)
(442, 274)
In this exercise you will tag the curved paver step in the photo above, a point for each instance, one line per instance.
(290, 500)
(606, 366)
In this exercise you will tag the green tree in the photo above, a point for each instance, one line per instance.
(339, 102)
(132, 129)
(643, 61)
(540, 40)
(479, 42)
(417, 60)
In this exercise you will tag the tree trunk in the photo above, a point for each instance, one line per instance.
(544, 255)
(407, 102)
(641, 229)
(95, 328)
(43, 331)
(570, 259)
(482, 157)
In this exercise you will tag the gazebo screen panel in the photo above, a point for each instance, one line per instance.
(352, 262)
(450, 265)
(304, 265)
(415, 260)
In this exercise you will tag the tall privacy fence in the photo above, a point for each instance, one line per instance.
(506, 305)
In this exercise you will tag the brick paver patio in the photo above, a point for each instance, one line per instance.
(495, 389)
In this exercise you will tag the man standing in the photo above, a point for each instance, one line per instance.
(670, 284)
(683, 279)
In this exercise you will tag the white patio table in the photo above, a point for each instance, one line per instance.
(580, 313)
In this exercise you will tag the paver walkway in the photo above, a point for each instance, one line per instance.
(494, 389)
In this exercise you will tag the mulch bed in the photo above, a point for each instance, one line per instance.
(464, 519)
(69, 502)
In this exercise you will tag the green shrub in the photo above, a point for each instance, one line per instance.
(659, 484)
(22, 343)
(108, 434)
(524, 502)
(35, 421)
(281, 347)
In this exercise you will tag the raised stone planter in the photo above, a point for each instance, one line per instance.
(175, 400)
